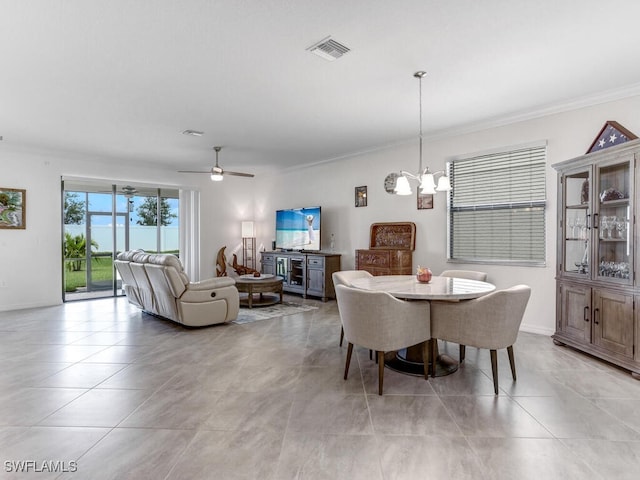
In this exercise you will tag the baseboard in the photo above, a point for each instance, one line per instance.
(537, 329)
(24, 306)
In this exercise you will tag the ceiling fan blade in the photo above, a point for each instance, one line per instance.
(218, 172)
(239, 174)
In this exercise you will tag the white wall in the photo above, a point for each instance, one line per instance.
(30, 259)
(331, 185)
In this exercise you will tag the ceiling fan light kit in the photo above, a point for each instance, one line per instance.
(424, 177)
(216, 174)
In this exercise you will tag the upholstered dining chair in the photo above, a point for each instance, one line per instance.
(379, 321)
(490, 322)
(345, 277)
(468, 275)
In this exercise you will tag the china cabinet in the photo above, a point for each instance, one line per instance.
(596, 282)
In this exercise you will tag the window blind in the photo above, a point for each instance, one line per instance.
(497, 207)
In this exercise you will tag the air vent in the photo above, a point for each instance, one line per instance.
(328, 49)
(193, 133)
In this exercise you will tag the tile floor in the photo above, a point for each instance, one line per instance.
(99, 388)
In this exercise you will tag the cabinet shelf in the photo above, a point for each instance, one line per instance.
(615, 203)
(613, 240)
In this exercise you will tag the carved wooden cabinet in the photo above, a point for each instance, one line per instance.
(390, 250)
(385, 262)
(597, 288)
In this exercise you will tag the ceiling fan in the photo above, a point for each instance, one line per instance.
(128, 191)
(217, 173)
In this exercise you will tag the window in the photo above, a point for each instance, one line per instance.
(497, 207)
(101, 219)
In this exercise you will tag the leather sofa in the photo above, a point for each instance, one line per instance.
(158, 285)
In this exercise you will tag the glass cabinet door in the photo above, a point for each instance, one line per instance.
(613, 228)
(576, 223)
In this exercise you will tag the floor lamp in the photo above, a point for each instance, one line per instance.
(248, 245)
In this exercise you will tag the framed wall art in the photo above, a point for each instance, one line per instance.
(361, 196)
(425, 201)
(13, 208)
(612, 133)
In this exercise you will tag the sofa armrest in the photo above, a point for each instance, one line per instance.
(211, 284)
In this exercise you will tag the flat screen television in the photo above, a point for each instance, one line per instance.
(298, 229)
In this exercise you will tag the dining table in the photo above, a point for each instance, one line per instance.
(407, 287)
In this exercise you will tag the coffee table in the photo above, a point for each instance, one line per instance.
(263, 284)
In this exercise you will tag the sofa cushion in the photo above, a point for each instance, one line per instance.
(128, 255)
(167, 260)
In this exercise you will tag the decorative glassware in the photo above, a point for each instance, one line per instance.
(423, 274)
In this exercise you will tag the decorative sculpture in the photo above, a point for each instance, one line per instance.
(241, 269)
(221, 263)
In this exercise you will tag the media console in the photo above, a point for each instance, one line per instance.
(308, 274)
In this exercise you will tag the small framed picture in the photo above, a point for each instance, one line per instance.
(361, 196)
(13, 208)
(425, 201)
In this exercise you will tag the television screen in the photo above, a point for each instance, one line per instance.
(298, 229)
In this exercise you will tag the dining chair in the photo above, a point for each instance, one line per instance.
(379, 321)
(490, 322)
(468, 275)
(345, 277)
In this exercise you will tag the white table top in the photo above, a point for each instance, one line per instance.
(439, 288)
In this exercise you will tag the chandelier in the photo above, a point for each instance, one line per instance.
(426, 179)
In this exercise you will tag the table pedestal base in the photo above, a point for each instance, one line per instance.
(261, 301)
(409, 361)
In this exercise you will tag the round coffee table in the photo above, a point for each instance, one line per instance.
(263, 284)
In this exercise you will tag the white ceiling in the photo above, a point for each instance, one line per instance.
(123, 78)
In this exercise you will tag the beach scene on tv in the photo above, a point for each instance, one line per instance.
(298, 229)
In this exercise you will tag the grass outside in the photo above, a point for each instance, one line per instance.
(101, 271)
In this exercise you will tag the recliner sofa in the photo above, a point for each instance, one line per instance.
(158, 285)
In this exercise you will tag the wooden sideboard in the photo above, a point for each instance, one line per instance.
(385, 262)
(308, 274)
(390, 249)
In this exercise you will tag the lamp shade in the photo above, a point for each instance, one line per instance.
(444, 185)
(427, 184)
(248, 230)
(402, 186)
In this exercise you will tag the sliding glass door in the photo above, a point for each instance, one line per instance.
(100, 220)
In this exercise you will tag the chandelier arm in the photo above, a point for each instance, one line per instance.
(409, 175)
